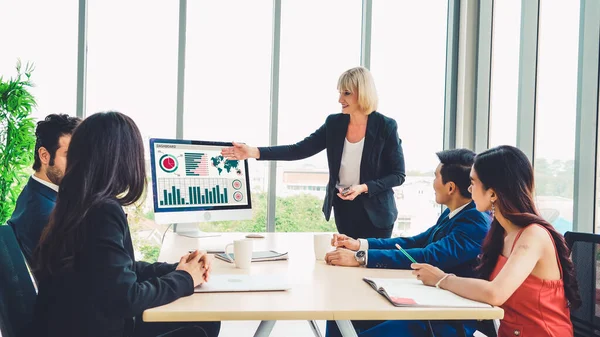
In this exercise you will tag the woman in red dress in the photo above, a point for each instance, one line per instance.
(525, 265)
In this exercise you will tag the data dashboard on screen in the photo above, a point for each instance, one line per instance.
(191, 176)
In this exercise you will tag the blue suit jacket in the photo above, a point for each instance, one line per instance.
(34, 205)
(451, 245)
(381, 166)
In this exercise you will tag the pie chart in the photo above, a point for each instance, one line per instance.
(237, 184)
(168, 163)
(238, 196)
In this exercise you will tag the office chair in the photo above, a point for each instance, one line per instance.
(17, 292)
(584, 253)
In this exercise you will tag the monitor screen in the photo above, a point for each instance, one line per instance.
(192, 182)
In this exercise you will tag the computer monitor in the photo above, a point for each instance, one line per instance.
(192, 183)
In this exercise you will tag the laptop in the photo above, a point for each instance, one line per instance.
(243, 283)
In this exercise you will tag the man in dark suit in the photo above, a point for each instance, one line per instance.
(452, 244)
(36, 201)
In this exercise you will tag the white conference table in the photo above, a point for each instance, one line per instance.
(318, 291)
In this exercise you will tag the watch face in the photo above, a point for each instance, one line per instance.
(360, 254)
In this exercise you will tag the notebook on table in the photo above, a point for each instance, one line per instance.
(213, 245)
(243, 283)
(269, 255)
(412, 292)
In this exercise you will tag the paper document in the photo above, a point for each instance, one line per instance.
(269, 255)
(240, 283)
(412, 292)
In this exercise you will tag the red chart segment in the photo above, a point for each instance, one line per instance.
(168, 163)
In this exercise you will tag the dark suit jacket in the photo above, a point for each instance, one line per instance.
(381, 167)
(34, 205)
(106, 288)
(451, 245)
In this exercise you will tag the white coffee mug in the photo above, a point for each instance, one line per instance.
(323, 246)
(242, 253)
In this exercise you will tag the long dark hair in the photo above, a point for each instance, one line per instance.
(105, 160)
(507, 170)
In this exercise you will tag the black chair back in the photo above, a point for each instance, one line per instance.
(586, 258)
(17, 292)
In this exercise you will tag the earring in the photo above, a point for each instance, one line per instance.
(493, 210)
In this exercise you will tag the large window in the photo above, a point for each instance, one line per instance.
(556, 110)
(319, 41)
(132, 68)
(505, 72)
(408, 63)
(227, 86)
(50, 43)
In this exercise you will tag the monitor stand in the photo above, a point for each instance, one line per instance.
(191, 230)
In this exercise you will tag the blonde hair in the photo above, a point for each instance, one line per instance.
(361, 81)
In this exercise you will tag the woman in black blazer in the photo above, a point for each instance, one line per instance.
(89, 281)
(364, 155)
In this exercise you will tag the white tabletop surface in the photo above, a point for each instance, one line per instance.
(318, 291)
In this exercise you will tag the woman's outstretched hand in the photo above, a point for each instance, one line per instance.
(240, 151)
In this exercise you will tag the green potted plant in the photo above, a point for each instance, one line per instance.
(17, 137)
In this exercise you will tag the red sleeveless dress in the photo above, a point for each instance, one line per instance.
(537, 308)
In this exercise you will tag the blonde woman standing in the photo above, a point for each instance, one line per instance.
(364, 155)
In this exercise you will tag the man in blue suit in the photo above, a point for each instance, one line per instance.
(36, 201)
(452, 244)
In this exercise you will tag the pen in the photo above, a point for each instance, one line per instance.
(405, 253)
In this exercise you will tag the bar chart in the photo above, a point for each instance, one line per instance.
(196, 164)
(195, 192)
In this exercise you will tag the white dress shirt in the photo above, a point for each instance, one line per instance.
(349, 174)
(45, 183)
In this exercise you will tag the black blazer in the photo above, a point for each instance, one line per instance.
(106, 288)
(381, 166)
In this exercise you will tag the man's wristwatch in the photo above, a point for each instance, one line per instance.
(360, 257)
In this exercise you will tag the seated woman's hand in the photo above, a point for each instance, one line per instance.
(427, 273)
(195, 265)
(344, 241)
(206, 261)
